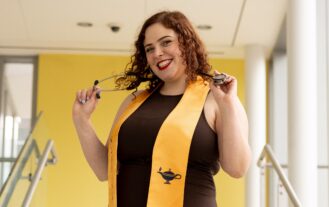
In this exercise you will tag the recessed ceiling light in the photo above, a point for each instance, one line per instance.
(204, 27)
(85, 24)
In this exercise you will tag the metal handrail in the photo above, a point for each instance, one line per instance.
(267, 150)
(41, 165)
(33, 177)
(17, 166)
(29, 146)
(268, 165)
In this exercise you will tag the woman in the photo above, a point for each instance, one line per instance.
(168, 141)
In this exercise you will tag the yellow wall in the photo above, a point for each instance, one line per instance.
(230, 191)
(71, 182)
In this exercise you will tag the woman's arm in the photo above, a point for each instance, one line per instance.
(94, 150)
(96, 153)
(231, 125)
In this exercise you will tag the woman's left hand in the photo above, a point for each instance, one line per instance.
(225, 91)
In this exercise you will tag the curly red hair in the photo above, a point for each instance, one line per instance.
(191, 46)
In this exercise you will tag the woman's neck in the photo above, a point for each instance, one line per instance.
(173, 88)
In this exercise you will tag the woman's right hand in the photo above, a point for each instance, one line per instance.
(85, 103)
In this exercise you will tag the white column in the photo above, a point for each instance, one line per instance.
(302, 96)
(278, 124)
(322, 80)
(255, 73)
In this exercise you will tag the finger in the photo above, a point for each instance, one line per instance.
(89, 93)
(83, 95)
(96, 92)
(80, 96)
(230, 79)
(96, 88)
(216, 89)
(216, 72)
(77, 96)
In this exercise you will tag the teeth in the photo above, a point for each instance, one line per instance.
(164, 63)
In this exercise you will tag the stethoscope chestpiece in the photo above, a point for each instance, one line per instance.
(219, 79)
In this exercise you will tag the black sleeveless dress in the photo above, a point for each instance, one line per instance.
(136, 139)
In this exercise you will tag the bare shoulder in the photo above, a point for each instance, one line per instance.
(211, 111)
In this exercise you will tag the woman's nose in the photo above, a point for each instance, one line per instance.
(158, 51)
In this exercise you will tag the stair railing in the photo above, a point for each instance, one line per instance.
(25, 154)
(268, 153)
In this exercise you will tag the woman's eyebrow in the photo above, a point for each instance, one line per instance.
(158, 40)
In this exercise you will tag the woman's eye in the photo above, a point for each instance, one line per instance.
(166, 42)
(149, 49)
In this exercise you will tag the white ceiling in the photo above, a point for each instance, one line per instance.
(49, 26)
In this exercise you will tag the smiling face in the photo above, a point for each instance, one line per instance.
(163, 53)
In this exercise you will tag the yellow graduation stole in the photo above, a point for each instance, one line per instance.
(170, 151)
